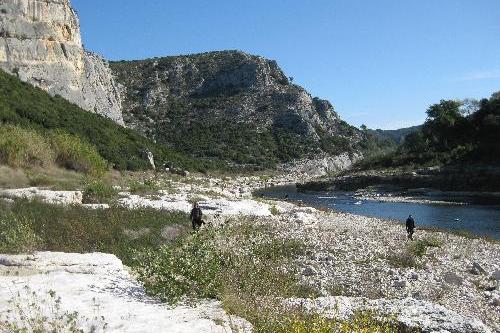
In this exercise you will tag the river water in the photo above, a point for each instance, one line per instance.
(475, 218)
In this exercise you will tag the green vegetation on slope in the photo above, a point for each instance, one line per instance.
(26, 106)
(26, 148)
(454, 132)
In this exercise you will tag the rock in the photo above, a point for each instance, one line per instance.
(453, 278)
(476, 269)
(322, 165)
(399, 284)
(171, 232)
(98, 285)
(150, 157)
(40, 42)
(496, 275)
(309, 271)
(495, 299)
(47, 196)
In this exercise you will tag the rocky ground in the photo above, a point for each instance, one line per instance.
(439, 283)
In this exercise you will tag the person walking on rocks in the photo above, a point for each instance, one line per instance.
(196, 215)
(410, 227)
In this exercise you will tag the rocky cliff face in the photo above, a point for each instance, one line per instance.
(40, 42)
(229, 105)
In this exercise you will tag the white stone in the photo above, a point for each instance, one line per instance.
(47, 196)
(83, 281)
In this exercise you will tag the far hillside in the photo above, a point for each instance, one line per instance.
(25, 106)
(397, 135)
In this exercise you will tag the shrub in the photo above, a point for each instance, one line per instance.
(97, 191)
(191, 270)
(403, 259)
(17, 235)
(21, 147)
(74, 153)
(419, 247)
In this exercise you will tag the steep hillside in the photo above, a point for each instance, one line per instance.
(40, 42)
(230, 106)
(28, 106)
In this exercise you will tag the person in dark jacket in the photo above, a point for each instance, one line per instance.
(410, 227)
(195, 216)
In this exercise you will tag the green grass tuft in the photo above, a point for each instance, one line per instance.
(20, 147)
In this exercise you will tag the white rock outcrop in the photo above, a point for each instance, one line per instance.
(47, 196)
(98, 285)
(40, 42)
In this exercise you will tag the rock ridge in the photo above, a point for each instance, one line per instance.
(40, 42)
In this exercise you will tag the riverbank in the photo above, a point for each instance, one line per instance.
(450, 179)
(345, 258)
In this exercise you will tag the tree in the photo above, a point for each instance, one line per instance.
(495, 96)
(446, 113)
(469, 106)
(364, 128)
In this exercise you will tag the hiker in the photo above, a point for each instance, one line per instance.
(410, 227)
(196, 215)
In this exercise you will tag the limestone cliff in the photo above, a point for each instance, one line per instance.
(40, 42)
(229, 105)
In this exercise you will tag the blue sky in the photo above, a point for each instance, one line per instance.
(380, 62)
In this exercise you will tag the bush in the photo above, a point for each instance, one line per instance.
(17, 235)
(148, 186)
(21, 147)
(97, 191)
(75, 154)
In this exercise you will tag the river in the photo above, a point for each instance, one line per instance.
(475, 218)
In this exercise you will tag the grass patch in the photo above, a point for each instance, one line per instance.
(403, 259)
(297, 321)
(20, 147)
(98, 191)
(148, 186)
(274, 210)
(76, 229)
(17, 234)
(419, 247)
